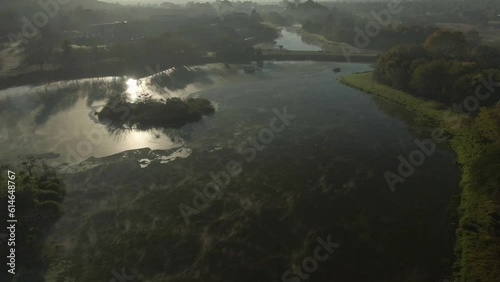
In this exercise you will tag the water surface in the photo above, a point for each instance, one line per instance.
(322, 175)
(291, 40)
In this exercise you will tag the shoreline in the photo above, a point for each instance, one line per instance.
(36, 78)
(327, 44)
(476, 260)
(330, 50)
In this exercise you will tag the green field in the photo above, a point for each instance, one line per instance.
(478, 239)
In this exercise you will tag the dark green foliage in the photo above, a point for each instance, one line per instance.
(486, 56)
(488, 124)
(147, 113)
(396, 65)
(427, 79)
(446, 68)
(478, 150)
(447, 44)
(49, 209)
(277, 19)
(39, 195)
(307, 5)
(48, 195)
(339, 26)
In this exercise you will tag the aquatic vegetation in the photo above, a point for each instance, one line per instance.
(477, 145)
(303, 185)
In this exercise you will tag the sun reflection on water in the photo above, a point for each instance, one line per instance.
(138, 139)
(133, 88)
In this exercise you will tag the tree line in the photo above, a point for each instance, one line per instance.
(447, 67)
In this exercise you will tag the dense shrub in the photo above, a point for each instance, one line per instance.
(149, 113)
(445, 68)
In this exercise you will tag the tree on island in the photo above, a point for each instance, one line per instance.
(147, 113)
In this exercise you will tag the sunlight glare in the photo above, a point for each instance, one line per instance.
(133, 88)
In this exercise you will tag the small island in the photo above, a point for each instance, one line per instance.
(147, 113)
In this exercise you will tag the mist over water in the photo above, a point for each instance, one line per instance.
(239, 141)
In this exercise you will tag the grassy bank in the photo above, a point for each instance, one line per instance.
(428, 108)
(476, 144)
(327, 45)
(332, 46)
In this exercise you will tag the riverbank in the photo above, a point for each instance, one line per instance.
(478, 232)
(97, 70)
(285, 55)
(330, 50)
(329, 45)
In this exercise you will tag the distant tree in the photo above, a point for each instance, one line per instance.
(311, 26)
(311, 5)
(459, 68)
(254, 16)
(486, 56)
(458, 88)
(276, 18)
(331, 19)
(463, 78)
(429, 79)
(448, 79)
(447, 44)
(473, 38)
(29, 164)
(67, 58)
(395, 66)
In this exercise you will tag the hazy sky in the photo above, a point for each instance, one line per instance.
(175, 1)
